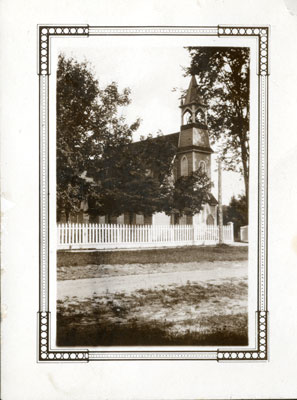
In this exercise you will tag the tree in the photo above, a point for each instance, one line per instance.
(139, 179)
(236, 212)
(188, 194)
(223, 74)
(133, 179)
(87, 125)
(97, 161)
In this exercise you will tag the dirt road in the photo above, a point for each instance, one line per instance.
(205, 272)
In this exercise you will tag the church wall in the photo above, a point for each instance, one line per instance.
(140, 219)
(75, 218)
(203, 157)
(189, 156)
(186, 137)
(201, 218)
(198, 219)
(189, 220)
(148, 220)
(161, 219)
(214, 213)
(113, 219)
(194, 159)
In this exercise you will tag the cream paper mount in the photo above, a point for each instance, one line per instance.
(46, 353)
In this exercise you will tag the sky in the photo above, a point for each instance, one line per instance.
(152, 73)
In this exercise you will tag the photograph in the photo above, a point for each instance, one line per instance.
(152, 195)
(147, 226)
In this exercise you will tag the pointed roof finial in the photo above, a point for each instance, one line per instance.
(193, 95)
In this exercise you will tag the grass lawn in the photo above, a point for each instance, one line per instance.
(181, 254)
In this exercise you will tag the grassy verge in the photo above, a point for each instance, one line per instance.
(176, 255)
(101, 271)
(191, 314)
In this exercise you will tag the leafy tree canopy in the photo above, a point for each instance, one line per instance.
(224, 75)
(133, 179)
(87, 124)
(97, 161)
(189, 193)
(236, 212)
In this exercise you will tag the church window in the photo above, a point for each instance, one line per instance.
(200, 117)
(120, 219)
(183, 220)
(187, 118)
(139, 219)
(202, 166)
(184, 166)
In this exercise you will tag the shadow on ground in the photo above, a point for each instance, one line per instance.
(145, 334)
(186, 315)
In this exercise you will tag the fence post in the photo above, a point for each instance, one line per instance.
(231, 231)
(84, 233)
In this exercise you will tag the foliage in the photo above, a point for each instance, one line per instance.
(224, 75)
(188, 194)
(133, 179)
(87, 124)
(97, 162)
(139, 179)
(236, 212)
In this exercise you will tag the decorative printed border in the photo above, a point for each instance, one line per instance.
(45, 34)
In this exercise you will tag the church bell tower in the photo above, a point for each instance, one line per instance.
(194, 150)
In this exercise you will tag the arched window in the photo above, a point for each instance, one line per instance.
(200, 116)
(184, 166)
(202, 166)
(187, 118)
(210, 220)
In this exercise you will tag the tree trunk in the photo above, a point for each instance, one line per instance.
(130, 218)
(245, 161)
(220, 202)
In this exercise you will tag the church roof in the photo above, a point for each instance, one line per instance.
(193, 94)
(171, 138)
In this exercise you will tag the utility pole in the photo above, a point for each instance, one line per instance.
(220, 201)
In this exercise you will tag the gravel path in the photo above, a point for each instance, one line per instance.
(205, 272)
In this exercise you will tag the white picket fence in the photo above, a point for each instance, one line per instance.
(111, 236)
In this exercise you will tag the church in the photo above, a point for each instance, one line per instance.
(193, 152)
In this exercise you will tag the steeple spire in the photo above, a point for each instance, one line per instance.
(193, 95)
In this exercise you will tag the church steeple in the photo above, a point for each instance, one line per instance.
(193, 95)
(194, 151)
(192, 105)
(194, 148)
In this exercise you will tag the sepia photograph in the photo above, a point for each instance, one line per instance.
(152, 196)
(148, 165)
